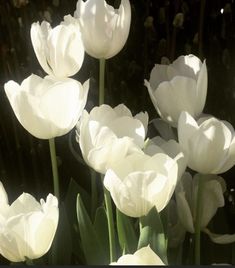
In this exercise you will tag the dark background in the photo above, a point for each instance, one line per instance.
(206, 32)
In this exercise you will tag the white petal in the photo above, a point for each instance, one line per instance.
(220, 238)
(201, 89)
(39, 34)
(184, 212)
(175, 96)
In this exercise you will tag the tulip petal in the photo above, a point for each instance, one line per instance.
(220, 238)
(187, 66)
(3, 195)
(38, 37)
(158, 75)
(175, 96)
(201, 89)
(184, 212)
(143, 256)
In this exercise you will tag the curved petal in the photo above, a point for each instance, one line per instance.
(187, 127)
(66, 51)
(201, 89)
(39, 34)
(175, 96)
(220, 238)
(184, 212)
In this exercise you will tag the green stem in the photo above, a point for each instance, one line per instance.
(109, 211)
(101, 81)
(54, 167)
(94, 197)
(198, 221)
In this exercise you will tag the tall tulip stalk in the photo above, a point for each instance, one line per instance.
(146, 179)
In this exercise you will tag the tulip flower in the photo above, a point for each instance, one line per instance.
(186, 199)
(212, 198)
(171, 148)
(143, 256)
(209, 144)
(180, 86)
(27, 227)
(104, 29)
(60, 50)
(47, 107)
(108, 134)
(139, 182)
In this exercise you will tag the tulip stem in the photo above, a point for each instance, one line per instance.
(101, 81)
(54, 167)
(109, 212)
(94, 196)
(198, 221)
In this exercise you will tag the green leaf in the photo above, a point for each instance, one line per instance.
(126, 233)
(152, 233)
(92, 248)
(101, 229)
(63, 240)
(70, 205)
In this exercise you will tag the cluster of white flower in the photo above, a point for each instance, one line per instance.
(140, 173)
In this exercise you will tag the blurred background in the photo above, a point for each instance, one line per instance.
(161, 30)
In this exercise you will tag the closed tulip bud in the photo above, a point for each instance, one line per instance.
(180, 86)
(139, 182)
(108, 134)
(27, 226)
(47, 107)
(104, 29)
(143, 256)
(209, 144)
(59, 51)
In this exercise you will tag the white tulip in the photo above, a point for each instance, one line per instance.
(171, 148)
(186, 199)
(139, 182)
(60, 50)
(180, 86)
(209, 144)
(143, 256)
(108, 134)
(47, 107)
(27, 227)
(104, 29)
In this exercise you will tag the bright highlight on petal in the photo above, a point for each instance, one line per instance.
(108, 134)
(180, 86)
(27, 227)
(104, 29)
(47, 107)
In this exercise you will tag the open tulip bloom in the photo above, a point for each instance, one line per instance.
(180, 86)
(208, 143)
(108, 134)
(104, 29)
(27, 227)
(47, 107)
(60, 50)
(139, 182)
(145, 203)
(143, 256)
(212, 199)
(171, 148)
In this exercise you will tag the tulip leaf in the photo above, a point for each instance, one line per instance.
(63, 240)
(126, 233)
(152, 233)
(101, 227)
(70, 204)
(92, 248)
